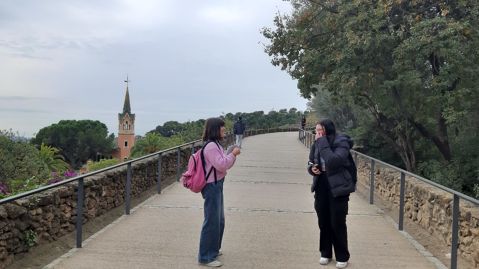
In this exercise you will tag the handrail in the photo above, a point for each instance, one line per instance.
(428, 181)
(64, 182)
(128, 163)
(435, 184)
(307, 138)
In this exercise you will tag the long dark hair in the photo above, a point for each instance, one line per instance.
(330, 129)
(212, 129)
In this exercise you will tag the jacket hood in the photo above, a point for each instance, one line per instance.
(343, 139)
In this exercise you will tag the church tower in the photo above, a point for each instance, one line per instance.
(126, 128)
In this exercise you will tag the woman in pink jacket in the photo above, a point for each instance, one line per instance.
(214, 222)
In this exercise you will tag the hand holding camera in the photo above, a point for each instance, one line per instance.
(233, 149)
(236, 151)
(315, 168)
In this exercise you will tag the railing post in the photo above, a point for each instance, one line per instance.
(178, 156)
(79, 224)
(371, 182)
(356, 158)
(128, 189)
(455, 231)
(192, 148)
(401, 201)
(158, 184)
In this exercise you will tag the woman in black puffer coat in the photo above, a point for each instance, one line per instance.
(329, 160)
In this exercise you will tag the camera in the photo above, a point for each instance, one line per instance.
(311, 164)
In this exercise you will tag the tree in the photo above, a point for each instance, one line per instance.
(77, 141)
(19, 160)
(153, 142)
(51, 158)
(410, 64)
(169, 128)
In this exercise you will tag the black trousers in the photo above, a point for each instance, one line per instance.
(333, 232)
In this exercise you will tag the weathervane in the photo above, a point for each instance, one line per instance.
(127, 81)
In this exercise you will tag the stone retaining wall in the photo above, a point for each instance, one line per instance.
(51, 214)
(426, 206)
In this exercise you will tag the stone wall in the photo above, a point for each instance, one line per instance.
(425, 205)
(46, 216)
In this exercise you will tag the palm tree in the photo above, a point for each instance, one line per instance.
(51, 159)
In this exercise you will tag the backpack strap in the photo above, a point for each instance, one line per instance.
(203, 161)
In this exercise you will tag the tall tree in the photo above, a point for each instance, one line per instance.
(78, 141)
(410, 64)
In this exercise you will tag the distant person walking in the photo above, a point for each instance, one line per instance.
(214, 215)
(303, 125)
(330, 164)
(238, 129)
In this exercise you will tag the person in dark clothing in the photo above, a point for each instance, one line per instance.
(238, 130)
(329, 159)
(303, 125)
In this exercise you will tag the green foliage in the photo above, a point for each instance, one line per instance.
(24, 184)
(19, 160)
(78, 141)
(30, 238)
(260, 120)
(104, 163)
(402, 70)
(51, 159)
(193, 130)
(153, 142)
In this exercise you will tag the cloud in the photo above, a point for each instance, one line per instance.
(222, 14)
(181, 56)
(41, 27)
(19, 98)
(24, 110)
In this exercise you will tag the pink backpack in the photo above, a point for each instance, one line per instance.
(195, 176)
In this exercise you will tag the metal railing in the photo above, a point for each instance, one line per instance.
(81, 178)
(307, 138)
(81, 189)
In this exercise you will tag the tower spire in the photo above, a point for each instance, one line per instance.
(126, 105)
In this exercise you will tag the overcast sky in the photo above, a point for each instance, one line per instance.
(186, 60)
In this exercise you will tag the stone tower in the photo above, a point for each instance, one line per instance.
(126, 128)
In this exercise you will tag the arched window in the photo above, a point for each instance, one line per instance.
(126, 144)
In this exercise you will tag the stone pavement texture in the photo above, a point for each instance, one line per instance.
(270, 222)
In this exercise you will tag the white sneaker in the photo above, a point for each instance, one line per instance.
(324, 261)
(341, 264)
(214, 263)
(220, 253)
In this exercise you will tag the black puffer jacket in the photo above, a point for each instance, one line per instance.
(336, 156)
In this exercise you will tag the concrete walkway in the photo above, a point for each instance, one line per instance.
(270, 222)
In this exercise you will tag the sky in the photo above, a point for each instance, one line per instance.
(186, 60)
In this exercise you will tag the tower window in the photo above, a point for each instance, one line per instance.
(126, 144)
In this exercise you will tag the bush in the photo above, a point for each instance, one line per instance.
(93, 166)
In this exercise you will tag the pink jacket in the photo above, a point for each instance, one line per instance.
(216, 156)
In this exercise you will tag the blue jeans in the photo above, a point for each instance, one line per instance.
(214, 223)
(239, 140)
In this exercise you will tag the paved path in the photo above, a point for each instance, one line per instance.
(270, 222)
